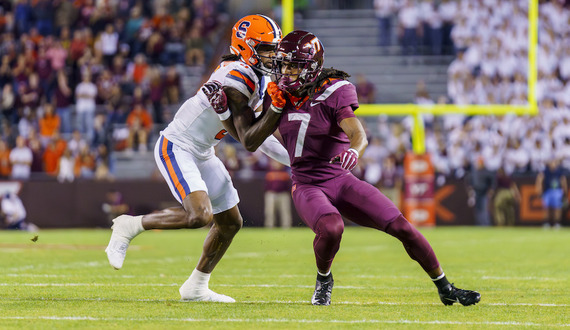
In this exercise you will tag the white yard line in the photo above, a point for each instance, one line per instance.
(355, 303)
(94, 264)
(270, 320)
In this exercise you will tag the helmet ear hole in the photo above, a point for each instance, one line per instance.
(241, 47)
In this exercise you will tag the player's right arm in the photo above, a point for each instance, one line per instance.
(237, 116)
(250, 131)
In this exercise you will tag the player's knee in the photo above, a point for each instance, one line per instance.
(199, 218)
(401, 229)
(330, 226)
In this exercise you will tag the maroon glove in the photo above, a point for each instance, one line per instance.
(348, 159)
(215, 93)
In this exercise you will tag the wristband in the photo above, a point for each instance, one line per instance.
(224, 115)
(276, 109)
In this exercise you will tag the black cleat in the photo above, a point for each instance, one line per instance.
(323, 290)
(450, 294)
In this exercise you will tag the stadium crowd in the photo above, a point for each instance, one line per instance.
(80, 79)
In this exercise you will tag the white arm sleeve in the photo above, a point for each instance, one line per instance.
(274, 149)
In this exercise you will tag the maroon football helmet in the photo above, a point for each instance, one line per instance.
(303, 49)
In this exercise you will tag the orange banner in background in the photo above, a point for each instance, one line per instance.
(419, 190)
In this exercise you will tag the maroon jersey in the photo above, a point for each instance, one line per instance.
(311, 131)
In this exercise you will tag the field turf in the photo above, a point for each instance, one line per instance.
(63, 280)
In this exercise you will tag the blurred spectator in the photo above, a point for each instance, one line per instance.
(433, 27)
(48, 124)
(139, 123)
(65, 14)
(103, 164)
(277, 195)
(409, 20)
(552, 185)
(14, 213)
(78, 46)
(447, 11)
(43, 11)
(76, 143)
(156, 94)
(384, 11)
(506, 198)
(114, 205)
(37, 165)
(51, 157)
(22, 16)
(365, 90)
(174, 49)
(6, 77)
(422, 95)
(57, 55)
(32, 94)
(133, 25)
(481, 183)
(9, 104)
(44, 70)
(84, 166)
(21, 160)
(172, 85)
(65, 167)
(63, 101)
(137, 69)
(85, 94)
(101, 130)
(109, 44)
(195, 44)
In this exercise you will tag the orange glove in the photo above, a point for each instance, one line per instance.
(277, 97)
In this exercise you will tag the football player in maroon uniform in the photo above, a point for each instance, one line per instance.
(324, 140)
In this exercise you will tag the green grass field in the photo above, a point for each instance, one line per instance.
(64, 281)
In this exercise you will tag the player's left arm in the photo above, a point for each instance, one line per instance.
(356, 134)
(358, 142)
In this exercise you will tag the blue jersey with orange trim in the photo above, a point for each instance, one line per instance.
(196, 127)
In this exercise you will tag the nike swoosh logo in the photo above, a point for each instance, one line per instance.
(454, 300)
(313, 104)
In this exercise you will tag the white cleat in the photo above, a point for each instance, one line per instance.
(120, 240)
(191, 294)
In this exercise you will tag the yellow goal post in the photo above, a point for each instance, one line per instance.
(418, 135)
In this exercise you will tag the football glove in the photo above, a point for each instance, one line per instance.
(348, 159)
(277, 97)
(217, 97)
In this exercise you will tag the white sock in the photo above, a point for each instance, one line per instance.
(327, 274)
(135, 225)
(199, 279)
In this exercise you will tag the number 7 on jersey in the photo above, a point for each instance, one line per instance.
(304, 118)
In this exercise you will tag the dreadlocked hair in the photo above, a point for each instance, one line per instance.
(230, 57)
(326, 73)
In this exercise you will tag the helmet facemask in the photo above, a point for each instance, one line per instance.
(303, 52)
(308, 71)
(266, 48)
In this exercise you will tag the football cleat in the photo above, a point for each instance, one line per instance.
(189, 293)
(323, 291)
(120, 240)
(450, 295)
